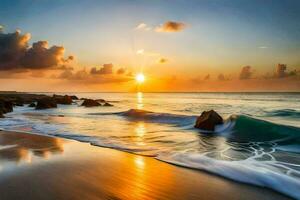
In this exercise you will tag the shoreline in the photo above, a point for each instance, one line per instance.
(34, 166)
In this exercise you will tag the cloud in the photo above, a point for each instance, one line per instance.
(171, 26)
(106, 69)
(245, 73)
(40, 56)
(280, 71)
(263, 47)
(143, 26)
(221, 77)
(140, 51)
(162, 60)
(13, 47)
(15, 53)
(121, 71)
(207, 77)
(66, 74)
(82, 76)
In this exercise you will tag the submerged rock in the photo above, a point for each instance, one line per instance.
(32, 105)
(208, 120)
(74, 97)
(46, 103)
(107, 104)
(90, 103)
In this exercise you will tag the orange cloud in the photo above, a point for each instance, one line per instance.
(245, 73)
(162, 60)
(171, 26)
(106, 69)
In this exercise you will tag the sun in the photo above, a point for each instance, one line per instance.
(140, 78)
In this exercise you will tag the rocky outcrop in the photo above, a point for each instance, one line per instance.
(20, 98)
(107, 104)
(101, 100)
(6, 106)
(90, 103)
(208, 120)
(46, 103)
(66, 100)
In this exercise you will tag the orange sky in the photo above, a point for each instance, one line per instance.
(179, 47)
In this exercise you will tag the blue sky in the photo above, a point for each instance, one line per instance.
(221, 35)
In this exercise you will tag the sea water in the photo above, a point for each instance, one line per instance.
(258, 144)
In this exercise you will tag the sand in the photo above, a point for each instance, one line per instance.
(40, 167)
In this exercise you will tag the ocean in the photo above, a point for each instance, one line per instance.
(258, 144)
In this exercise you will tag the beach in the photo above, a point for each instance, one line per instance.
(41, 167)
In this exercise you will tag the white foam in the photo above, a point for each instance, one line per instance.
(251, 172)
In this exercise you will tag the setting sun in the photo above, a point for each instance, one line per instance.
(140, 78)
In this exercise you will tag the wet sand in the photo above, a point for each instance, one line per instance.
(40, 167)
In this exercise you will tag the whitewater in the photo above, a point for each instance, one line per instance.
(259, 143)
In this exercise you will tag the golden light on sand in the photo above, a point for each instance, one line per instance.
(140, 78)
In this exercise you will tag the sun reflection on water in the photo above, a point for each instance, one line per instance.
(140, 132)
(140, 104)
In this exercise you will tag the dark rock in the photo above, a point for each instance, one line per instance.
(46, 103)
(90, 103)
(74, 97)
(67, 100)
(6, 106)
(19, 101)
(101, 100)
(31, 105)
(208, 120)
(107, 104)
(19, 104)
(1, 114)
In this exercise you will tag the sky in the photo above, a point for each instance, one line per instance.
(196, 45)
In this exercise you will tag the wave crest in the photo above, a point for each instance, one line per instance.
(138, 114)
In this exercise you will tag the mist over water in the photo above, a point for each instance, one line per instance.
(259, 143)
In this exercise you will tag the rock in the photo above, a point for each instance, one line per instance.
(101, 100)
(1, 114)
(208, 120)
(67, 100)
(21, 97)
(90, 103)
(31, 105)
(46, 103)
(74, 97)
(6, 106)
(19, 101)
(19, 104)
(107, 104)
